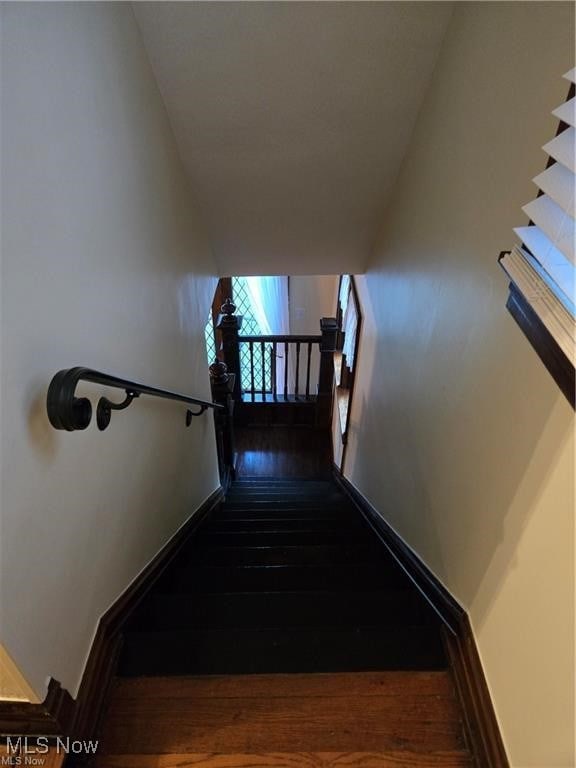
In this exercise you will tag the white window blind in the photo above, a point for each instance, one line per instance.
(543, 269)
(558, 182)
(565, 112)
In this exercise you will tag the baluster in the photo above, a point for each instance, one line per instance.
(285, 371)
(263, 362)
(297, 381)
(251, 344)
(308, 371)
(273, 367)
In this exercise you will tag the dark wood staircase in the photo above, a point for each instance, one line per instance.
(285, 577)
(284, 634)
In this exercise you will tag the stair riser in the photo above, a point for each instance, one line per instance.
(287, 651)
(282, 494)
(280, 538)
(282, 514)
(193, 579)
(287, 504)
(260, 525)
(269, 610)
(270, 482)
(287, 555)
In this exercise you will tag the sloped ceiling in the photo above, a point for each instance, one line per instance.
(292, 119)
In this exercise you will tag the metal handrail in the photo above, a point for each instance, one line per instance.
(66, 411)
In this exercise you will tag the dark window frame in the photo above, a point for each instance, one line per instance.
(345, 389)
(546, 347)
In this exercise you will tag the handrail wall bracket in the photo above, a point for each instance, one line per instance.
(71, 413)
(105, 407)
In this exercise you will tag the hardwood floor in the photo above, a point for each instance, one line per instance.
(292, 760)
(352, 720)
(290, 452)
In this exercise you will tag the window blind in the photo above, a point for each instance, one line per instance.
(544, 267)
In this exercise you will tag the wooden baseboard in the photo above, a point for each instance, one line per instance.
(480, 719)
(61, 715)
(101, 665)
(481, 724)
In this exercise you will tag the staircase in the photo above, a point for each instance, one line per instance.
(284, 635)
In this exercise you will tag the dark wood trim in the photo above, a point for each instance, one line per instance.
(480, 718)
(543, 343)
(223, 291)
(101, 665)
(59, 714)
(557, 364)
(348, 378)
(53, 717)
(288, 338)
(352, 378)
(449, 610)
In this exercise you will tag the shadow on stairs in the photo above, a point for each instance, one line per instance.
(284, 634)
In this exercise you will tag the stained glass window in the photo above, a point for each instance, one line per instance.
(210, 340)
(251, 327)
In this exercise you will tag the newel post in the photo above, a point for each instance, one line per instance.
(222, 386)
(329, 329)
(229, 326)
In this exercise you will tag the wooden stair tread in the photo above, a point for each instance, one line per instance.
(336, 684)
(403, 759)
(241, 718)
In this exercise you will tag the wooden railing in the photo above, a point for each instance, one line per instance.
(263, 353)
(307, 375)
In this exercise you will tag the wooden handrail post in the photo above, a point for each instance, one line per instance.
(229, 326)
(329, 329)
(222, 386)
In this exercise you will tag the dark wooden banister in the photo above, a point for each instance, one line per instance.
(66, 411)
(229, 326)
(293, 339)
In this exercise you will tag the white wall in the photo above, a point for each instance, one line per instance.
(311, 298)
(459, 435)
(292, 119)
(102, 265)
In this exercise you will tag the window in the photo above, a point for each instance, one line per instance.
(542, 269)
(346, 357)
(263, 304)
(251, 327)
(210, 337)
(223, 291)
